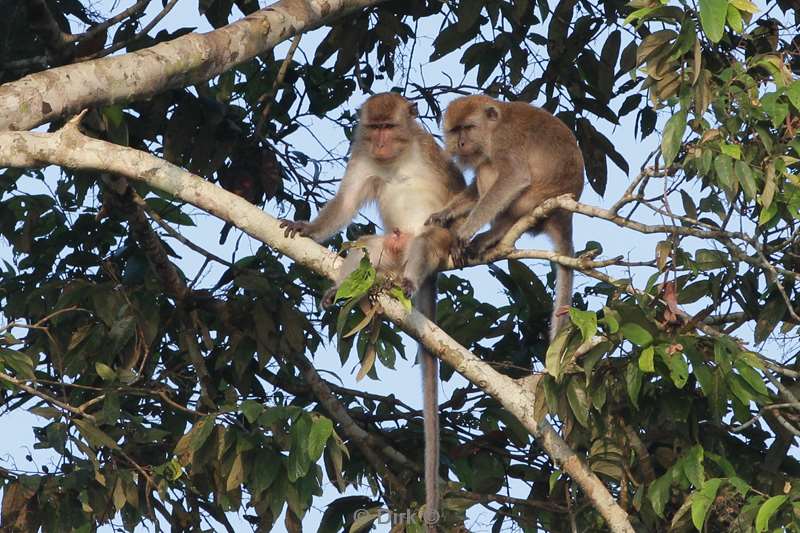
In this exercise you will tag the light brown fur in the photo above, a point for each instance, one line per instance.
(522, 155)
(397, 164)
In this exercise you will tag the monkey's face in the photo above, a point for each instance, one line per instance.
(465, 140)
(387, 122)
(468, 127)
(387, 140)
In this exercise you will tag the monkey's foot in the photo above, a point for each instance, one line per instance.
(442, 218)
(295, 227)
(562, 311)
(460, 252)
(409, 287)
(328, 298)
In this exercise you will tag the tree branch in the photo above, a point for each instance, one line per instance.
(70, 148)
(45, 96)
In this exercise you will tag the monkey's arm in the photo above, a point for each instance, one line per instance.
(459, 206)
(511, 181)
(356, 188)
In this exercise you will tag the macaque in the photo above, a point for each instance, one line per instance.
(397, 164)
(522, 155)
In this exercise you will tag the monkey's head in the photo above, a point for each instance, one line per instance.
(387, 122)
(468, 126)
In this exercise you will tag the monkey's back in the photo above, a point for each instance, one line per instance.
(554, 160)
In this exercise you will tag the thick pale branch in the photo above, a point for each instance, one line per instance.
(69, 148)
(42, 97)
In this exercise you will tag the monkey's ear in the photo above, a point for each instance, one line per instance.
(413, 110)
(492, 113)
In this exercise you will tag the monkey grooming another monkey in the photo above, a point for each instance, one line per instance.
(522, 155)
(397, 164)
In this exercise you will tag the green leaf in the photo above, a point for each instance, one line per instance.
(236, 475)
(105, 372)
(321, 430)
(744, 5)
(746, 179)
(633, 383)
(712, 17)
(692, 464)
(251, 410)
(398, 294)
(678, 370)
(555, 352)
(658, 493)
(611, 319)
(723, 165)
(793, 93)
(673, 134)
(767, 510)
(200, 433)
(752, 378)
(169, 211)
(702, 500)
(733, 150)
(94, 435)
(636, 334)
(776, 110)
(551, 482)
(646, 360)
(586, 322)
(19, 361)
(578, 401)
(767, 214)
(358, 282)
(734, 18)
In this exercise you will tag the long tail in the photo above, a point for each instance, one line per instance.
(560, 231)
(426, 303)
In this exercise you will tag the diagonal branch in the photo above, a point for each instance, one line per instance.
(70, 148)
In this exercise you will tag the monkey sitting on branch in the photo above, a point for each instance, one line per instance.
(522, 156)
(397, 164)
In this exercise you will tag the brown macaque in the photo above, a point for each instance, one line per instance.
(522, 155)
(397, 164)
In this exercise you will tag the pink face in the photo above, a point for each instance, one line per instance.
(384, 142)
(386, 125)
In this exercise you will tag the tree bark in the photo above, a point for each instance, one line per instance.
(60, 92)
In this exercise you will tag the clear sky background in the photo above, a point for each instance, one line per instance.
(404, 381)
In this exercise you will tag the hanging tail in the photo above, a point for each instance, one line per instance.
(559, 228)
(426, 304)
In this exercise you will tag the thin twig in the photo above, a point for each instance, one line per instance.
(270, 96)
(46, 397)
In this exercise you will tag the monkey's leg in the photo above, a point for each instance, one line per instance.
(489, 238)
(559, 228)
(374, 245)
(425, 302)
(426, 255)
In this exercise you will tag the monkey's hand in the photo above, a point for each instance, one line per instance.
(442, 218)
(460, 252)
(295, 227)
